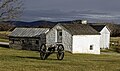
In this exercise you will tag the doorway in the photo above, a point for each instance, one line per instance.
(59, 36)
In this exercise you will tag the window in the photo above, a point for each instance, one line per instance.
(12, 41)
(23, 42)
(91, 47)
(60, 33)
(37, 42)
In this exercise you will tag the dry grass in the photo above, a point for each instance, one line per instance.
(5, 32)
(4, 40)
(21, 60)
(115, 39)
(4, 36)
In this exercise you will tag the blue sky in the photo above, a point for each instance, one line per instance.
(59, 10)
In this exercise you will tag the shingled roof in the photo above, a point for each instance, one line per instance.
(98, 27)
(28, 32)
(80, 29)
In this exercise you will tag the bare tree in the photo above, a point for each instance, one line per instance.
(10, 9)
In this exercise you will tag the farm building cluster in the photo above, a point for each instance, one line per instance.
(76, 38)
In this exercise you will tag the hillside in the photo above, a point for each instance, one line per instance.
(37, 23)
(10, 25)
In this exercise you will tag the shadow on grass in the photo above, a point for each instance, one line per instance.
(4, 46)
(37, 58)
(105, 60)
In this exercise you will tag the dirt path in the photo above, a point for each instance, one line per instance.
(4, 43)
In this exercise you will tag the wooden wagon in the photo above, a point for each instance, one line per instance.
(46, 50)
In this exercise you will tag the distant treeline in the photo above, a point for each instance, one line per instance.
(10, 25)
(115, 29)
(6, 27)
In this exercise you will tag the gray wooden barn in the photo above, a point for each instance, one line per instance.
(27, 38)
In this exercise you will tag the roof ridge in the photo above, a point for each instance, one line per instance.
(80, 29)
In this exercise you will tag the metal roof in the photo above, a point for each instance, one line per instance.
(80, 29)
(28, 32)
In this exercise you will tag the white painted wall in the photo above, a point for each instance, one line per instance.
(81, 44)
(105, 38)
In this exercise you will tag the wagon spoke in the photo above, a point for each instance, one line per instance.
(43, 52)
(60, 54)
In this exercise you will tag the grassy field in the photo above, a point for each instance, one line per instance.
(4, 40)
(21, 60)
(4, 36)
(5, 32)
(115, 39)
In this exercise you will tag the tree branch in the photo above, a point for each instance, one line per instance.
(10, 9)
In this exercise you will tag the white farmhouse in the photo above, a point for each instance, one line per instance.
(76, 38)
(105, 35)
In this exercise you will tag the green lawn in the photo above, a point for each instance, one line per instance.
(21, 60)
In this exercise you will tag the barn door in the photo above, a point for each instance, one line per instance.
(59, 36)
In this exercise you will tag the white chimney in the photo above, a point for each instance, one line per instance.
(84, 22)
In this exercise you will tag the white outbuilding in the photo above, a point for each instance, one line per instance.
(76, 38)
(105, 35)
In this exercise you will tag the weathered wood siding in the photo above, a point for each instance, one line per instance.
(67, 40)
(51, 37)
(29, 43)
(15, 43)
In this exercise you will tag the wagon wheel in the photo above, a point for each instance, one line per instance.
(60, 54)
(43, 52)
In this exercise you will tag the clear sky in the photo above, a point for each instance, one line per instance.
(57, 10)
